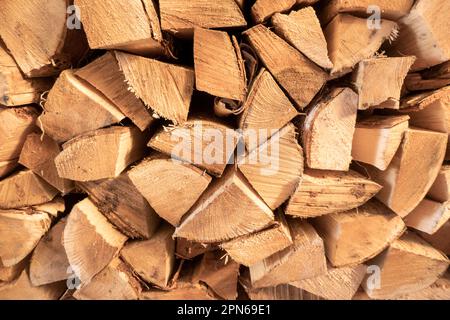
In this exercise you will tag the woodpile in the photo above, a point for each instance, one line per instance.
(233, 149)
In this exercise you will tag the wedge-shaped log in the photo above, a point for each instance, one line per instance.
(328, 131)
(437, 291)
(356, 236)
(228, 209)
(429, 216)
(264, 9)
(440, 190)
(182, 291)
(286, 63)
(188, 250)
(323, 192)
(440, 239)
(114, 148)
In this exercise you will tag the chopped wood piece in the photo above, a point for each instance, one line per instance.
(418, 159)
(437, 291)
(302, 260)
(188, 250)
(115, 282)
(89, 109)
(153, 260)
(53, 208)
(114, 148)
(175, 186)
(6, 167)
(337, 284)
(356, 236)
(424, 34)
(281, 292)
(38, 154)
(181, 16)
(105, 75)
(377, 139)
(429, 216)
(324, 192)
(429, 79)
(264, 9)
(39, 38)
(24, 189)
(303, 31)
(49, 262)
(165, 88)
(229, 208)
(328, 131)
(125, 25)
(219, 68)
(350, 41)
(409, 265)
(286, 63)
(440, 239)
(379, 81)
(250, 249)
(87, 231)
(182, 291)
(208, 144)
(275, 168)
(9, 274)
(123, 205)
(440, 190)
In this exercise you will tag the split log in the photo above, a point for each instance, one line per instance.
(424, 34)
(356, 236)
(38, 155)
(325, 192)
(264, 9)
(189, 250)
(350, 41)
(437, 291)
(181, 16)
(286, 63)
(219, 67)
(429, 79)
(182, 291)
(229, 208)
(105, 75)
(39, 38)
(303, 31)
(377, 139)
(175, 186)
(440, 239)
(379, 81)
(429, 216)
(440, 190)
(6, 167)
(9, 274)
(88, 231)
(424, 265)
(302, 260)
(114, 148)
(163, 87)
(281, 292)
(153, 260)
(328, 131)
(61, 123)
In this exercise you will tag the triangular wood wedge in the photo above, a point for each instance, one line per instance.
(286, 63)
(302, 260)
(429, 216)
(440, 239)
(229, 208)
(171, 187)
(163, 87)
(395, 277)
(303, 31)
(356, 236)
(153, 260)
(440, 190)
(328, 131)
(377, 139)
(188, 250)
(182, 291)
(87, 231)
(264, 9)
(115, 148)
(437, 291)
(275, 168)
(323, 192)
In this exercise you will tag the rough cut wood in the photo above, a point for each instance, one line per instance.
(115, 148)
(429, 216)
(105, 75)
(377, 139)
(440, 239)
(219, 68)
(437, 291)
(181, 16)
(125, 25)
(188, 250)
(328, 131)
(424, 34)
(429, 79)
(264, 9)
(88, 231)
(229, 208)
(38, 155)
(303, 31)
(182, 291)
(281, 292)
(379, 81)
(424, 266)
(350, 41)
(440, 190)
(323, 192)
(6, 167)
(170, 187)
(39, 38)
(302, 260)
(9, 274)
(286, 63)
(163, 87)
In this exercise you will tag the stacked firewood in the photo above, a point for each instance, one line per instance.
(232, 149)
